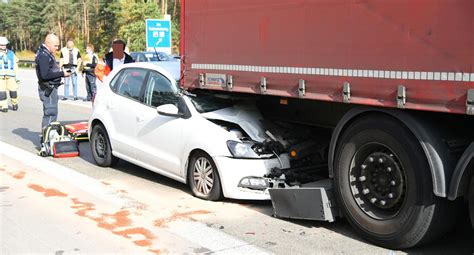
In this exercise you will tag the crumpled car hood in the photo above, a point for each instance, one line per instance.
(246, 116)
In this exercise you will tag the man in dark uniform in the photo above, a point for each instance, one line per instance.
(49, 78)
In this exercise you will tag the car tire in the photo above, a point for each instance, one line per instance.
(384, 187)
(203, 177)
(101, 148)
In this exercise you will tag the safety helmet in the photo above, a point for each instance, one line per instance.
(3, 40)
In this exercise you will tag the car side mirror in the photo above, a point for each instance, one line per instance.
(169, 110)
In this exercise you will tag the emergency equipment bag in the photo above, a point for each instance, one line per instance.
(57, 142)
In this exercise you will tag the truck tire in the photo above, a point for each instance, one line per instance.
(383, 184)
(101, 148)
(471, 201)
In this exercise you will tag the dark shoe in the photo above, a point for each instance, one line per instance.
(15, 107)
(5, 110)
(75, 99)
(64, 98)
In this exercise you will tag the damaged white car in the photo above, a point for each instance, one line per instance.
(216, 146)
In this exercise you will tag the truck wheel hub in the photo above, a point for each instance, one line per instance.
(377, 181)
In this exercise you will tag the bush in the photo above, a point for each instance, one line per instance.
(25, 55)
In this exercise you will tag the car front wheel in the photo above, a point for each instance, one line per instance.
(101, 148)
(203, 177)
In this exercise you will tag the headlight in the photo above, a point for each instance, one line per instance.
(241, 150)
(256, 183)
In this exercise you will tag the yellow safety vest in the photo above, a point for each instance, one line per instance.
(65, 53)
(87, 60)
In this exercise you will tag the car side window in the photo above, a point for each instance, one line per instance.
(130, 82)
(160, 91)
(115, 81)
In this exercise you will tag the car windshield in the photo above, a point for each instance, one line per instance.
(158, 56)
(209, 103)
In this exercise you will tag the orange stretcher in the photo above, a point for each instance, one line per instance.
(78, 130)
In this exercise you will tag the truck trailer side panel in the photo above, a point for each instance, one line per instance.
(424, 48)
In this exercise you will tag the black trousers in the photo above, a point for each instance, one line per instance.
(91, 87)
(50, 107)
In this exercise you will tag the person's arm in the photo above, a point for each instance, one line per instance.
(44, 72)
(15, 67)
(94, 62)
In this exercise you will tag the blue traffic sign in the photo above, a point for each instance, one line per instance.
(158, 35)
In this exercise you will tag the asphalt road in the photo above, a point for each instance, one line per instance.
(175, 221)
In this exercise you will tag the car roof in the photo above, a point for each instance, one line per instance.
(148, 52)
(143, 65)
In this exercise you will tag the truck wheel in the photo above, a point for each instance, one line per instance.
(101, 148)
(203, 177)
(471, 201)
(383, 184)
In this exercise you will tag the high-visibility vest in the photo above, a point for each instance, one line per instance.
(65, 53)
(7, 64)
(87, 60)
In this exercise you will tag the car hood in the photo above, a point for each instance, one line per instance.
(247, 117)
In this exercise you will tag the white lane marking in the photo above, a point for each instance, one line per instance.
(380, 74)
(215, 240)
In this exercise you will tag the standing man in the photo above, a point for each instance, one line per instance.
(49, 78)
(89, 63)
(8, 76)
(117, 57)
(70, 59)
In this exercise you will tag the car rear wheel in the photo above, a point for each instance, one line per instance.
(383, 184)
(101, 148)
(203, 177)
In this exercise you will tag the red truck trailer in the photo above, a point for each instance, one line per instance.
(392, 81)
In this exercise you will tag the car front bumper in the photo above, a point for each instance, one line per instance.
(232, 170)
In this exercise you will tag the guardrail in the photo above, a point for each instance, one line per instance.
(27, 63)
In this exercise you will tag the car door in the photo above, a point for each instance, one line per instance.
(160, 137)
(123, 108)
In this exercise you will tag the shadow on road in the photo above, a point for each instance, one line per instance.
(151, 176)
(34, 137)
(26, 134)
(458, 241)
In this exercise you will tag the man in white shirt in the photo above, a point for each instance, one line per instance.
(118, 56)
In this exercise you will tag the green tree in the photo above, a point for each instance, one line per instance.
(132, 22)
(26, 22)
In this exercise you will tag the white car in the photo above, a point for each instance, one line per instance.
(215, 146)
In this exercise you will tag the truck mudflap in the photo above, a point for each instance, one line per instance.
(292, 202)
